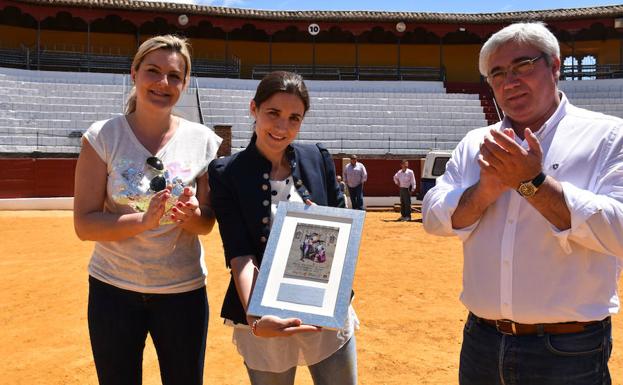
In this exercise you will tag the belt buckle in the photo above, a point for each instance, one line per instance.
(499, 323)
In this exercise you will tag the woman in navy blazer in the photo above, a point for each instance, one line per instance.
(245, 190)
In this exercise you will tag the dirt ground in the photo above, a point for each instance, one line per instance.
(407, 286)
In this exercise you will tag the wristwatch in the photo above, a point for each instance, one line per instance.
(529, 188)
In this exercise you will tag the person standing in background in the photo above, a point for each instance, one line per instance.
(344, 190)
(405, 180)
(355, 175)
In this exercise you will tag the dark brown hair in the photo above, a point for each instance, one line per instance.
(281, 81)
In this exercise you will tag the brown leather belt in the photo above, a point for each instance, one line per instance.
(518, 329)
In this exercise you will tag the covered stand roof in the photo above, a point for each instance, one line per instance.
(335, 16)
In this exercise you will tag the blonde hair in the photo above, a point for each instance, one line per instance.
(169, 42)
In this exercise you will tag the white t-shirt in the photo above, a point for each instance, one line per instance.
(166, 259)
(279, 354)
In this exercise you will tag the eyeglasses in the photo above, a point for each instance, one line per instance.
(522, 68)
(157, 183)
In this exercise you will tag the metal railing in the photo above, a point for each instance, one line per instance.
(196, 83)
(385, 146)
(41, 140)
(591, 71)
(76, 61)
(325, 72)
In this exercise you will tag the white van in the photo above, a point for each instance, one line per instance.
(434, 166)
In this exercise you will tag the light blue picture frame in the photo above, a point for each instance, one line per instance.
(301, 300)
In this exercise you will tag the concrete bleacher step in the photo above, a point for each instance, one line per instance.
(36, 141)
(45, 124)
(454, 119)
(62, 115)
(59, 87)
(21, 108)
(206, 95)
(26, 149)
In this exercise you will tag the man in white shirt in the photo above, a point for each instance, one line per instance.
(537, 201)
(355, 175)
(405, 180)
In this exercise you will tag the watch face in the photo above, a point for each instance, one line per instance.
(526, 189)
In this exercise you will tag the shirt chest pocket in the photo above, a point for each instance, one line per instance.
(581, 174)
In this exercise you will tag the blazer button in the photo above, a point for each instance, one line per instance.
(266, 203)
(306, 192)
(263, 239)
(265, 187)
(265, 220)
(299, 183)
(266, 176)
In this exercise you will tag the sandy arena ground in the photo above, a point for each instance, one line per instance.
(407, 287)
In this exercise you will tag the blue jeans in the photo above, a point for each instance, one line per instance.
(340, 368)
(356, 197)
(119, 321)
(489, 357)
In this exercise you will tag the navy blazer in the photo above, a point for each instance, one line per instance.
(241, 199)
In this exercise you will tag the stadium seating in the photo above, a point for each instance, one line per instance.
(382, 117)
(604, 96)
(47, 112)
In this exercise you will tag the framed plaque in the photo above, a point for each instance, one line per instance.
(309, 264)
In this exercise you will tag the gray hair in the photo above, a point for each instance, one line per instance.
(534, 34)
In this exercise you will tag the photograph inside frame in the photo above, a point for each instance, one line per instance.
(311, 252)
(309, 264)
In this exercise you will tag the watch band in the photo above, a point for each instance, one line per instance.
(539, 179)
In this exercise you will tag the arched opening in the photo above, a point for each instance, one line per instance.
(570, 68)
(589, 67)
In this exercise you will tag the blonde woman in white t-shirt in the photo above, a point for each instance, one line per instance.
(142, 195)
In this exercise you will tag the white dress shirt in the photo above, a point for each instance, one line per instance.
(517, 265)
(405, 179)
(355, 175)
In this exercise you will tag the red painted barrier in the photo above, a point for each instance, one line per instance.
(47, 177)
(36, 177)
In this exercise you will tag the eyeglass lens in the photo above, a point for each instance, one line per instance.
(518, 69)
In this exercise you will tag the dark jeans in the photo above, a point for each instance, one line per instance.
(405, 202)
(119, 321)
(356, 197)
(489, 357)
